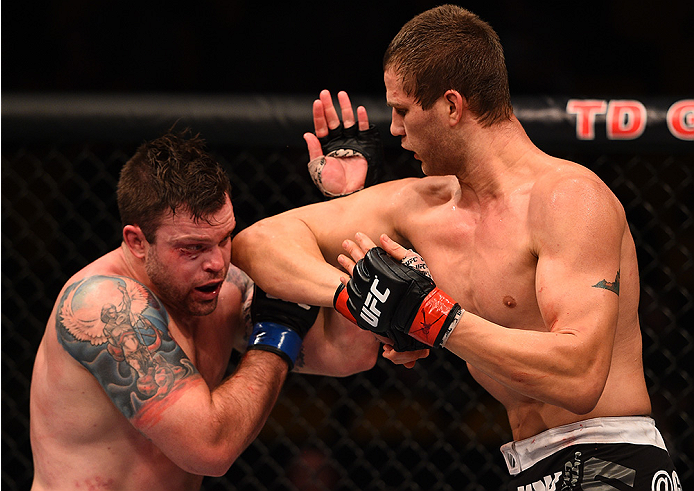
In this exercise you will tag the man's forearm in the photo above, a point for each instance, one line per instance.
(283, 257)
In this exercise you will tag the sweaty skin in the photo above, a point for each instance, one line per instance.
(147, 407)
(531, 247)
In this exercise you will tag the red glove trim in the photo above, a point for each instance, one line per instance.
(340, 302)
(433, 315)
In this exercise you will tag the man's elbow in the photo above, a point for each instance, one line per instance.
(581, 404)
(214, 462)
(585, 394)
(243, 241)
(365, 361)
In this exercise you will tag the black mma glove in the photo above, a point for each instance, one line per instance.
(384, 293)
(279, 326)
(350, 142)
(401, 341)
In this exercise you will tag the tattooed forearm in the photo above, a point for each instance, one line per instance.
(301, 359)
(612, 286)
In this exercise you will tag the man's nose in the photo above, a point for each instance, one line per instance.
(215, 260)
(396, 127)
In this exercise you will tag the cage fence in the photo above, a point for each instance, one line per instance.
(390, 428)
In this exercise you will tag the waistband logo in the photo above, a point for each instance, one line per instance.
(662, 481)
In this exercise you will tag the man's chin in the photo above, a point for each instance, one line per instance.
(200, 309)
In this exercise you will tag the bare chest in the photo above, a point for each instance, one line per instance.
(486, 264)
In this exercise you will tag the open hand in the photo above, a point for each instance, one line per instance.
(343, 171)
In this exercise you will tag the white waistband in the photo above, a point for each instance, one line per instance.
(638, 430)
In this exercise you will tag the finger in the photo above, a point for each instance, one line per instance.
(319, 122)
(363, 118)
(313, 144)
(364, 241)
(329, 110)
(407, 358)
(346, 109)
(347, 264)
(354, 250)
(393, 248)
(389, 353)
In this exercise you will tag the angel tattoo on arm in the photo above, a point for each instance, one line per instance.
(117, 329)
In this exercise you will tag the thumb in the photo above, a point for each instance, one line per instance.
(314, 147)
(408, 257)
(393, 248)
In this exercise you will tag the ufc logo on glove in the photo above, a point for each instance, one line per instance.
(401, 310)
(369, 311)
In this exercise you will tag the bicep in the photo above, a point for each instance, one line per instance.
(119, 331)
(577, 277)
(294, 255)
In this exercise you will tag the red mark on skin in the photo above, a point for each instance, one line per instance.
(151, 412)
(97, 483)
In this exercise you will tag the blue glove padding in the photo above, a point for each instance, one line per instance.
(279, 326)
(276, 338)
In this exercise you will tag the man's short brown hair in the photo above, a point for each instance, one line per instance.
(172, 173)
(448, 47)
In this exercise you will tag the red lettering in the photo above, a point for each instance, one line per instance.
(585, 111)
(626, 120)
(680, 119)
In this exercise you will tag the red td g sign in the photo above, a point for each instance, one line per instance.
(626, 119)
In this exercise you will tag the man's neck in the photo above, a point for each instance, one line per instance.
(181, 323)
(496, 161)
(134, 267)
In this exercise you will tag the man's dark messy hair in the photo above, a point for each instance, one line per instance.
(174, 174)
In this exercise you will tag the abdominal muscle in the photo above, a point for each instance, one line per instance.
(624, 395)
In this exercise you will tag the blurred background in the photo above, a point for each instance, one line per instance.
(588, 47)
(85, 82)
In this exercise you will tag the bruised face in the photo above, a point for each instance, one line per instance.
(190, 259)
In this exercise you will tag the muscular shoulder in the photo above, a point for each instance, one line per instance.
(91, 308)
(119, 331)
(572, 200)
(425, 191)
(567, 184)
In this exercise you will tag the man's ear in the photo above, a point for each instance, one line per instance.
(135, 240)
(457, 105)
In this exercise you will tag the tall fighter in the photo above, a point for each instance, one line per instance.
(128, 389)
(525, 267)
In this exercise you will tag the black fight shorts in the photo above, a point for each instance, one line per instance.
(601, 454)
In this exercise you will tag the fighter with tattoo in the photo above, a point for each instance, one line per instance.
(129, 389)
(129, 343)
(521, 248)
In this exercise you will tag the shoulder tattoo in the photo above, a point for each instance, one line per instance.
(612, 286)
(119, 331)
(244, 283)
